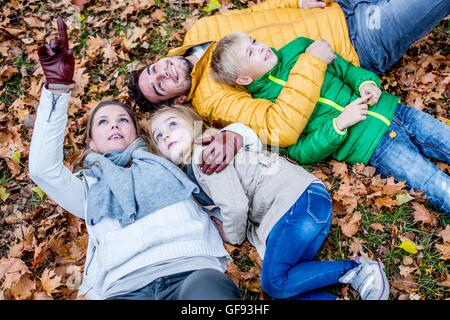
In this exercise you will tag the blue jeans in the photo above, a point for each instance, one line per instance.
(383, 30)
(288, 270)
(418, 135)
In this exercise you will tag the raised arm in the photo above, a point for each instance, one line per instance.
(46, 166)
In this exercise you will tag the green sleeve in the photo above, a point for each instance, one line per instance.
(316, 145)
(351, 75)
(297, 45)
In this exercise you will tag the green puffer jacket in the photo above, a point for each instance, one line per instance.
(321, 138)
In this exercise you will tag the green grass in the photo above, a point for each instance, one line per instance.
(4, 177)
(34, 200)
(13, 89)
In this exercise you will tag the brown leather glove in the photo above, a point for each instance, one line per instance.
(221, 150)
(56, 58)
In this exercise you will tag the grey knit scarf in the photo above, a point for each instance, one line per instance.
(133, 183)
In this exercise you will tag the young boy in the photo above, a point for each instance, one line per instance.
(389, 136)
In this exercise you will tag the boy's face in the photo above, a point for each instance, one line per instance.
(256, 58)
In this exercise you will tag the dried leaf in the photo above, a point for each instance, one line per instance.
(445, 234)
(4, 194)
(39, 192)
(421, 213)
(402, 198)
(406, 271)
(350, 224)
(23, 289)
(211, 6)
(444, 249)
(50, 281)
(408, 246)
(11, 269)
(377, 227)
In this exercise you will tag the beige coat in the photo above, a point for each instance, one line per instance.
(253, 192)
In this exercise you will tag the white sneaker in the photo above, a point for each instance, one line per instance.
(369, 279)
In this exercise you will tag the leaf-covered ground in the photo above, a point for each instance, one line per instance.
(42, 247)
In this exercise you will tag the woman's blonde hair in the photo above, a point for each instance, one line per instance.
(184, 112)
(225, 62)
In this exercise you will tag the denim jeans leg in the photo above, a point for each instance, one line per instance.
(284, 274)
(399, 157)
(431, 136)
(385, 30)
(316, 243)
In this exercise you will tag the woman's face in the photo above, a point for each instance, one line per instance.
(173, 135)
(112, 129)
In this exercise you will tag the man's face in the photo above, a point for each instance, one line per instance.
(165, 79)
(256, 57)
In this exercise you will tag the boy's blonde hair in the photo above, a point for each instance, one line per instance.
(187, 113)
(225, 63)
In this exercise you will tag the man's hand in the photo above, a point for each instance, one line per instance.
(322, 50)
(353, 113)
(309, 4)
(373, 90)
(56, 58)
(222, 148)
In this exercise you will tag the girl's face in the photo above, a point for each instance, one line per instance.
(173, 136)
(112, 129)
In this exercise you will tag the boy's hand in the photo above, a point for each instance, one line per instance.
(373, 90)
(353, 113)
(322, 50)
(309, 4)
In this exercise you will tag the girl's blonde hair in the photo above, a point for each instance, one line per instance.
(184, 112)
(225, 62)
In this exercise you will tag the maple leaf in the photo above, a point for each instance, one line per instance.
(158, 15)
(445, 234)
(377, 227)
(339, 168)
(23, 289)
(50, 281)
(406, 271)
(11, 269)
(356, 247)
(385, 202)
(350, 224)
(41, 295)
(234, 273)
(392, 188)
(444, 249)
(80, 3)
(422, 214)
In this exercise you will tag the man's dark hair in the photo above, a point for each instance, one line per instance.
(133, 89)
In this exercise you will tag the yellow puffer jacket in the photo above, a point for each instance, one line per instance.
(275, 22)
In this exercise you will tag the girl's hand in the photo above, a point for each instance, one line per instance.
(370, 88)
(353, 113)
